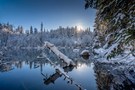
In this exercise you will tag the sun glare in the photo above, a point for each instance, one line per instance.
(79, 28)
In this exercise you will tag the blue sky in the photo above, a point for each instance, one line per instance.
(53, 13)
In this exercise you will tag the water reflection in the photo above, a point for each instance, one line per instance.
(5, 67)
(58, 73)
(37, 73)
(52, 78)
(109, 78)
(68, 68)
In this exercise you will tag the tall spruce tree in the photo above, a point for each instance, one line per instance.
(118, 18)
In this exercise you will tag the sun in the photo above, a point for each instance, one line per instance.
(79, 28)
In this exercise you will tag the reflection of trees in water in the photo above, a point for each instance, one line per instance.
(6, 67)
(52, 78)
(107, 78)
(58, 73)
(103, 78)
(19, 58)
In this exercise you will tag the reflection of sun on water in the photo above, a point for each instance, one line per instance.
(81, 67)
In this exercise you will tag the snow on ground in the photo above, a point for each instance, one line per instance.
(124, 59)
(121, 59)
(102, 54)
(1, 53)
(76, 50)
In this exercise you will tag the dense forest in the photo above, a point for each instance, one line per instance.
(64, 37)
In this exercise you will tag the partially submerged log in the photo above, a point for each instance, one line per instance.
(63, 57)
(59, 73)
(52, 78)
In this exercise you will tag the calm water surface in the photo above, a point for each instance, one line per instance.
(22, 70)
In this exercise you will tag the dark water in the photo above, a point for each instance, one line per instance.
(25, 78)
(22, 70)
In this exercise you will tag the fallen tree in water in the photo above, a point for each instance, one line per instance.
(55, 50)
(59, 73)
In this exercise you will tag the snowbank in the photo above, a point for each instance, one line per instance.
(100, 51)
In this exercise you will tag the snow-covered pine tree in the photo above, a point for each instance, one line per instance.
(21, 30)
(35, 31)
(115, 25)
(31, 30)
(42, 27)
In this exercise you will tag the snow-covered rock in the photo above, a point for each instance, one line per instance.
(85, 53)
